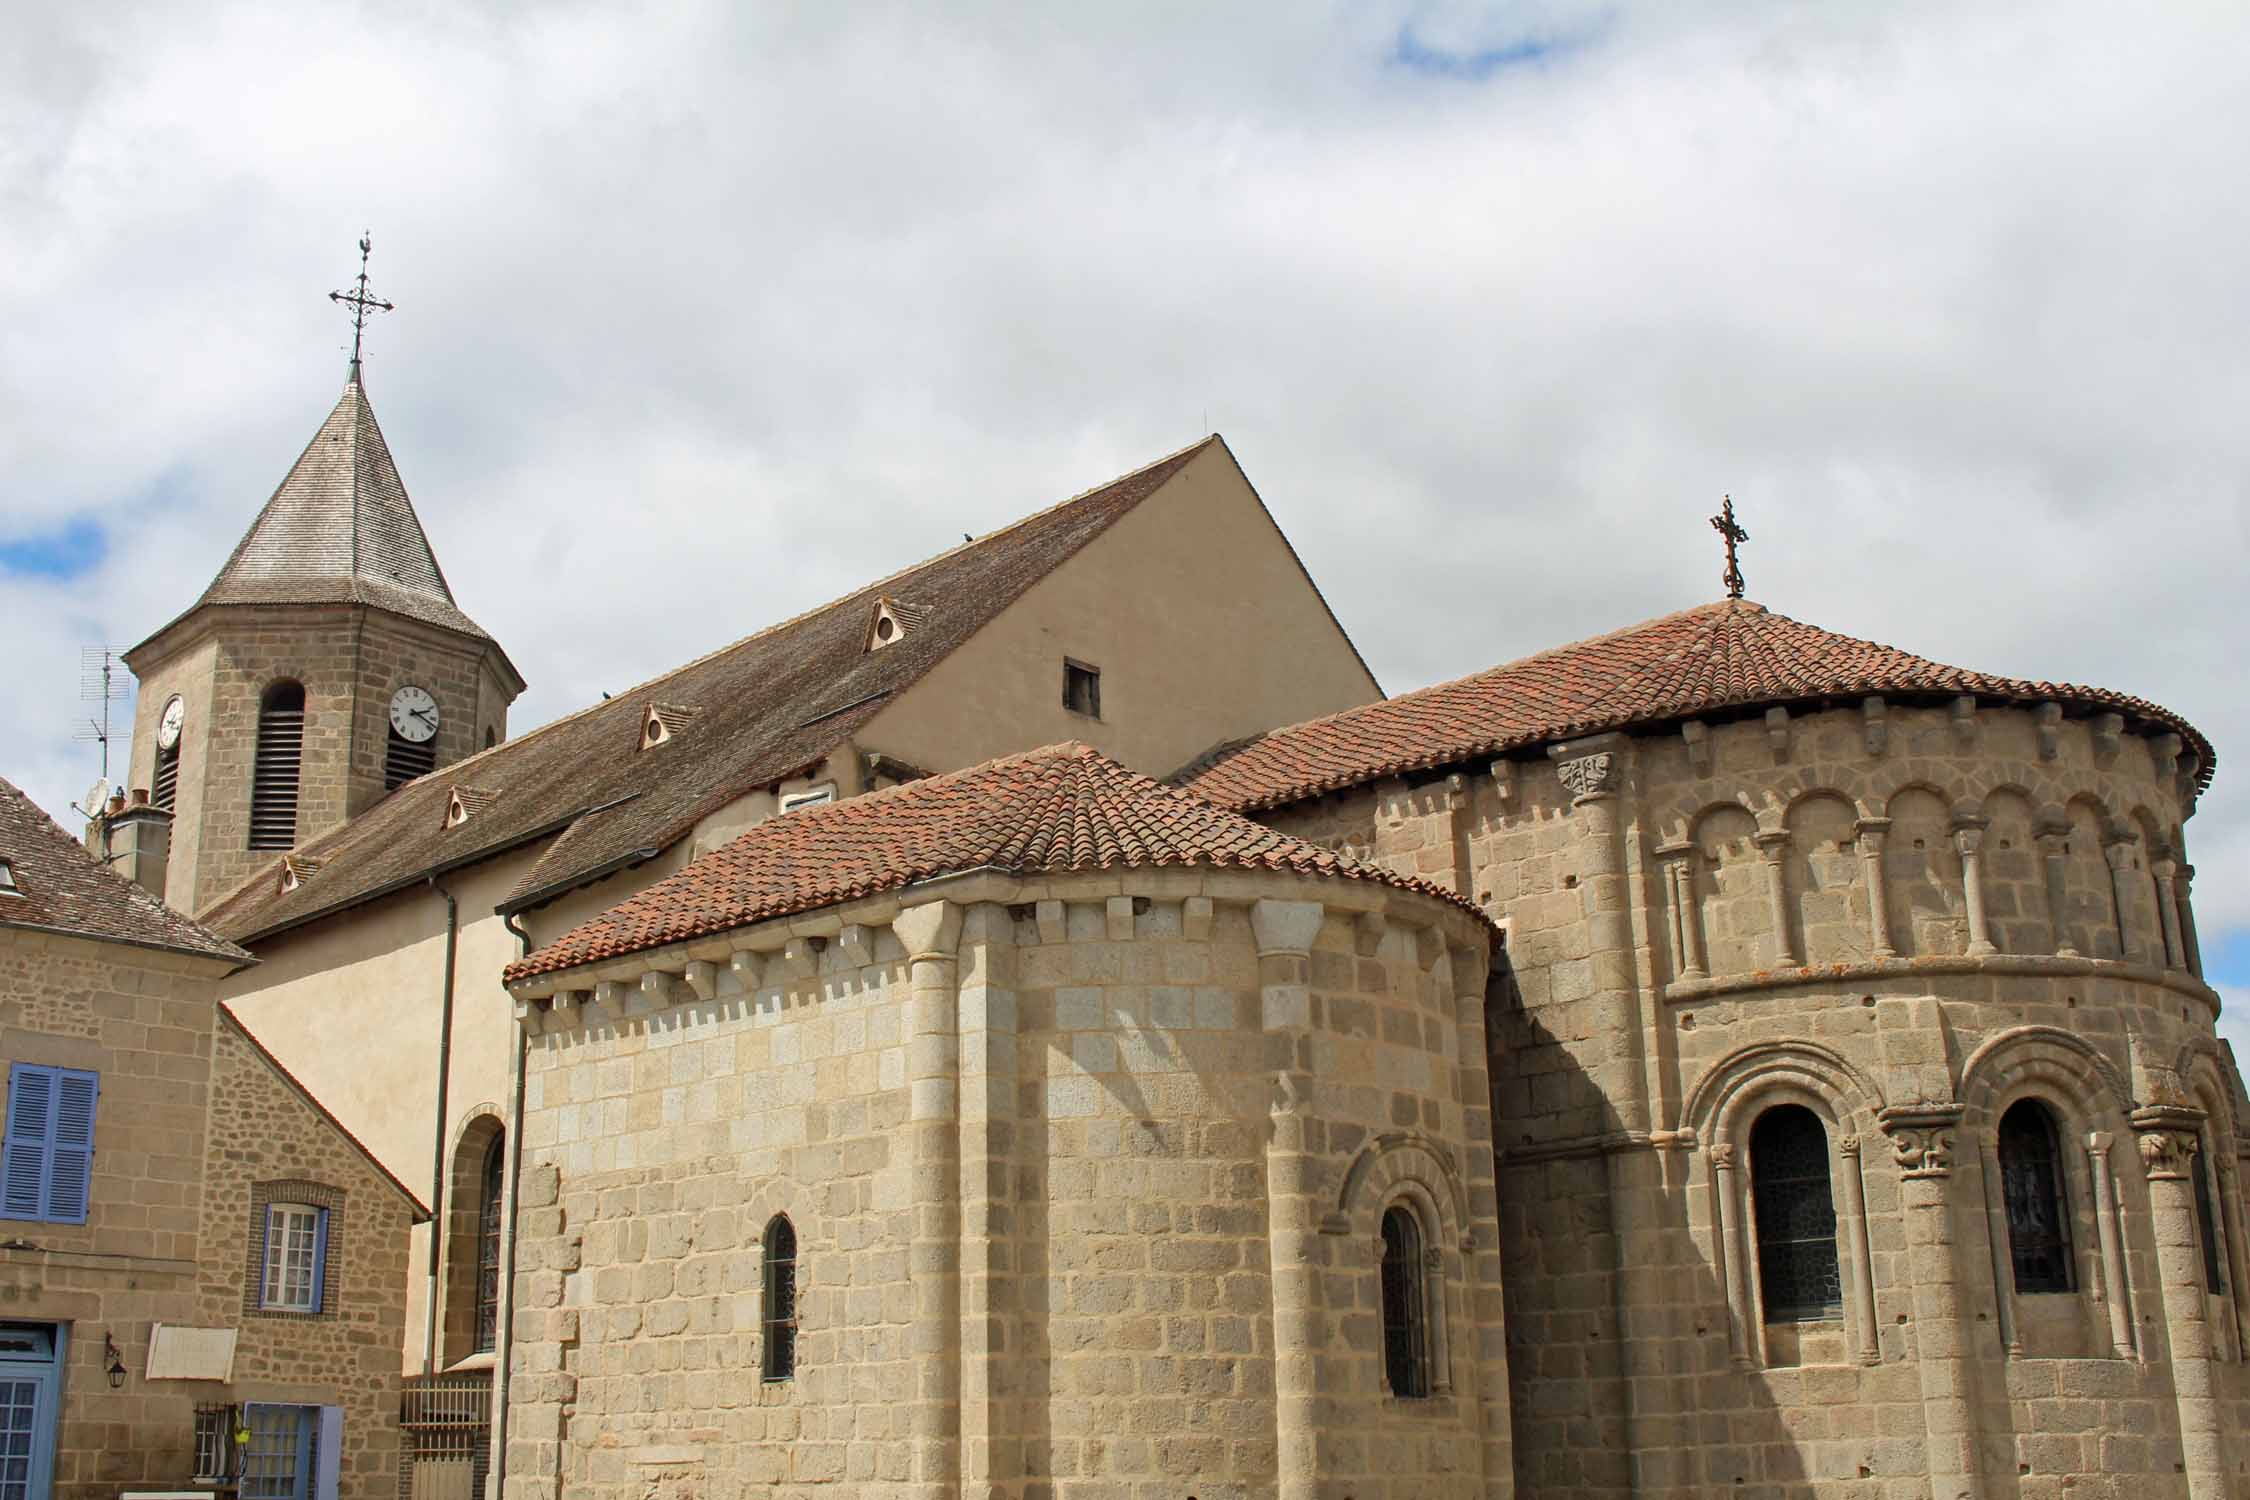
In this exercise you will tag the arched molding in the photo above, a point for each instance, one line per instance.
(474, 1135)
(1737, 801)
(1831, 1085)
(484, 1118)
(1404, 1159)
(2059, 1060)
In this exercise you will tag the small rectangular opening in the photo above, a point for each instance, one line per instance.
(1082, 688)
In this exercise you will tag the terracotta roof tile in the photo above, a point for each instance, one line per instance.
(771, 706)
(65, 889)
(1062, 808)
(1719, 657)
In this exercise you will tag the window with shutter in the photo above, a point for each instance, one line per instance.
(47, 1158)
(279, 768)
(403, 760)
(167, 788)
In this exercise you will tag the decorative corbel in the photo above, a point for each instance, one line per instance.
(2109, 736)
(857, 944)
(1964, 714)
(703, 978)
(1874, 716)
(1503, 774)
(748, 970)
(1697, 734)
(1777, 733)
(2048, 717)
(1367, 933)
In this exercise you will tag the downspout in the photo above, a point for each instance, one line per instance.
(437, 1133)
(504, 1340)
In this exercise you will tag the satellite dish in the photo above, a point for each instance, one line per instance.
(97, 798)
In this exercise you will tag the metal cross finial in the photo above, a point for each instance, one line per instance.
(1723, 524)
(359, 301)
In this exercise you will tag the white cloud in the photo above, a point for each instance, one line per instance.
(706, 313)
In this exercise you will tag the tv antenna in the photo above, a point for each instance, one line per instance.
(101, 679)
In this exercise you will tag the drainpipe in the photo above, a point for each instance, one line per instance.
(504, 1339)
(437, 1144)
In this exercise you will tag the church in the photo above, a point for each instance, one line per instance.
(1046, 1026)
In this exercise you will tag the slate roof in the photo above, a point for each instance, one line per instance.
(1063, 808)
(65, 889)
(340, 529)
(772, 706)
(1716, 658)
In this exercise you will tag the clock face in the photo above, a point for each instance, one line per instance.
(168, 726)
(414, 714)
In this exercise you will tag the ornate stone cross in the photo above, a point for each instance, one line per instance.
(1723, 524)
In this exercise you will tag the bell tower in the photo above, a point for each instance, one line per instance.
(326, 664)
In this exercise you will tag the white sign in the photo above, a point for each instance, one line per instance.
(177, 1353)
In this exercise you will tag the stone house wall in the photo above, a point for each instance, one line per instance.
(1905, 918)
(186, 1110)
(1085, 1177)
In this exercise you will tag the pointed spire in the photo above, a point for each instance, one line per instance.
(341, 529)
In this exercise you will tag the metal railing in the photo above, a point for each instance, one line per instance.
(446, 1424)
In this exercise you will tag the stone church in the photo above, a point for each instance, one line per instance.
(1046, 1026)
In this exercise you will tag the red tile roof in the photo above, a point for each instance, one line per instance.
(1719, 657)
(62, 888)
(1049, 811)
(766, 708)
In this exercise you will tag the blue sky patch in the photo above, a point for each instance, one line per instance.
(70, 552)
(1474, 65)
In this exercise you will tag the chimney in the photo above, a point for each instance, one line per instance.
(139, 837)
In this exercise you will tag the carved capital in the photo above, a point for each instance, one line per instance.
(1871, 832)
(1722, 1157)
(1848, 1145)
(1922, 1139)
(2167, 1154)
(1774, 844)
(1589, 775)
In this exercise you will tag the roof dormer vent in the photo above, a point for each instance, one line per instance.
(664, 721)
(462, 802)
(296, 869)
(893, 622)
(8, 886)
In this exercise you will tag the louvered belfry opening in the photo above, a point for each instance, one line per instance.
(405, 760)
(280, 767)
(167, 788)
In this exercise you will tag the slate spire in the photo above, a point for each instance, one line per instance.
(341, 529)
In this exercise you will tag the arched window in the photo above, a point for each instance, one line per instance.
(274, 775)
(1406, 1330)
(781, 1299)
(1795, 1207)
(2031, 1183)
(491, 1183)
(2206, 1217)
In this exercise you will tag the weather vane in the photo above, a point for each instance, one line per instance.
(359, 301)
(1723, 524)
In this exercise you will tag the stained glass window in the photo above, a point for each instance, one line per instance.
(2206, 1221)
(1795, 1207)
(781, 1299)
(2031, 1184)
(488, 1246)
(1406, 1358)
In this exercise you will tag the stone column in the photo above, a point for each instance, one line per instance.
(930, 934)
(2170, 1135)
(1922, 1139)
(1691, 917)
(1673, 865)
(2164, 872)
(2053, 835)
(1775, 847)
(1485, 1335)
(1871, 832)
(1865, 1335)
(1285, 931)
(1593, 772)
(1745, 1322)
(1968, 841)
(2182, 877)
(2119, 853)
(2112, 1244)
(991, 1367)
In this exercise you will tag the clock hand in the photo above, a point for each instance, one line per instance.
(424, 715)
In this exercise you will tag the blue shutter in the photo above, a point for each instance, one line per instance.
(70, 1174)
(320, 1257)
(23, 1157)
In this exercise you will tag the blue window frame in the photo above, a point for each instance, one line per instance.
(278, 1462)
(47, 1156)
(294, 1267)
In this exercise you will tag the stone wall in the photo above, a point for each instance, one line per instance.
(1085, 1179)
(187, 1116)
(1905, 918)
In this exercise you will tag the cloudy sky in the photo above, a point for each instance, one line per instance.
(707, 313)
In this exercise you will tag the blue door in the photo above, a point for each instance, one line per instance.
(279, 1464)
(29, 1388)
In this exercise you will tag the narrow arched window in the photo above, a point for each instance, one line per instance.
(781, 1299)
(2031, 1184)
(2206, 1217)
(491, 1183)
(1406, 1330)
(1795, 1207)
(278, 767)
